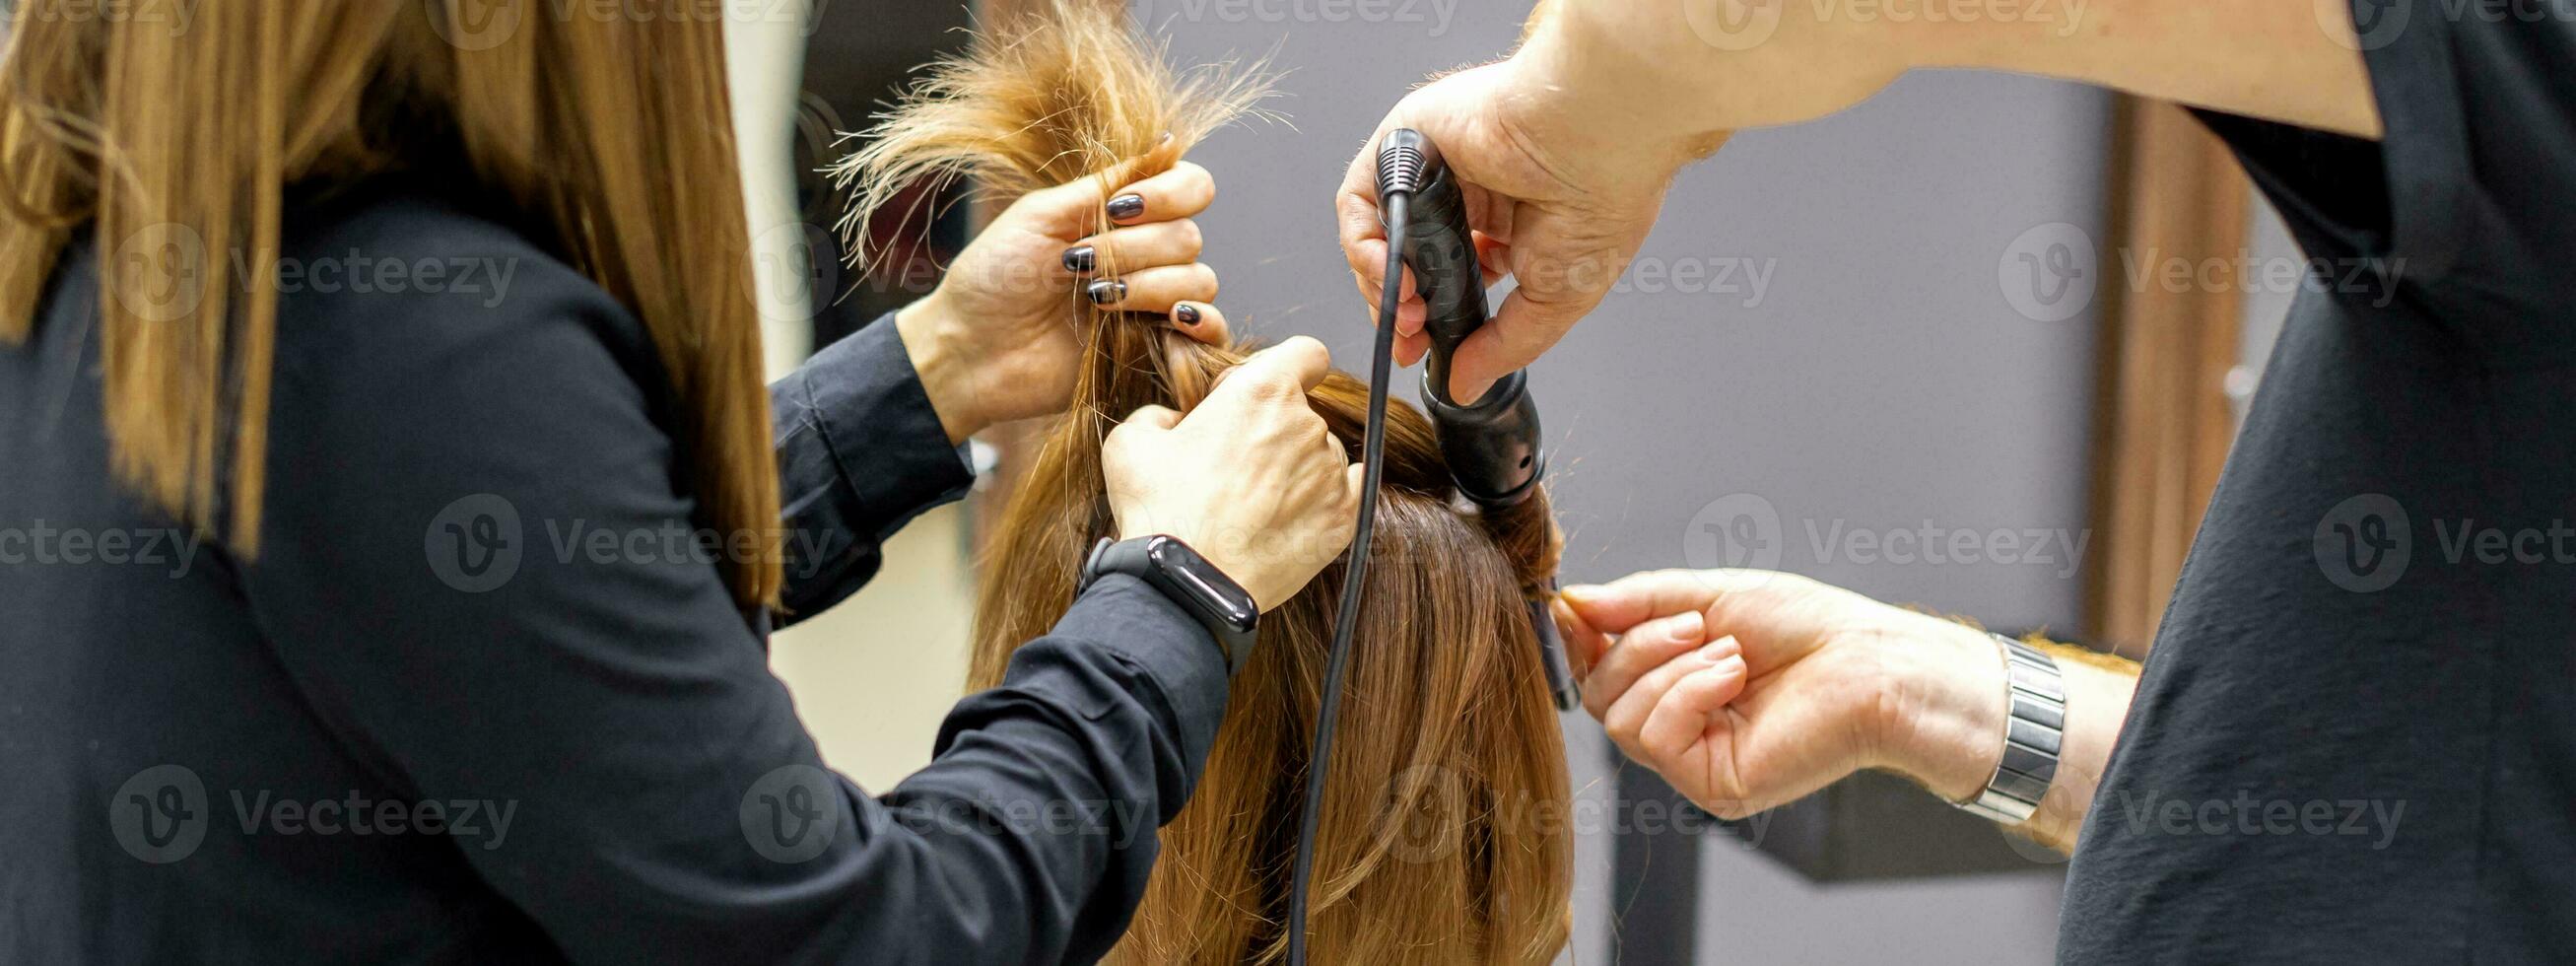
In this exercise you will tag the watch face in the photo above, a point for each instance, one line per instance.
(1199, 578)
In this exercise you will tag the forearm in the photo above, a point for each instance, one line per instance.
(1950, 736)
(861, 451)
(1741, 63)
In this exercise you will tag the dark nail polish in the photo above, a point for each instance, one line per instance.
(1186, 314)
(1125, 207)
(1079, 259)
(1105, 291)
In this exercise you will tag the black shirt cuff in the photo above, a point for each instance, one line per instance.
(868, 403)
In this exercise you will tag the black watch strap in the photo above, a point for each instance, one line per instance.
(1188, 580)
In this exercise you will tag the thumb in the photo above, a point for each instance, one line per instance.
(1153, 417)
(1622, 604)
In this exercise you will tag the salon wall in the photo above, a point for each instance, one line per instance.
(1820, 356)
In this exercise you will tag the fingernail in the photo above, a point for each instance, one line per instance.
(1125, 207)
(1724, 648)
(1079, 259)
(1105, 291)
(1689, 625)
(1185, 314)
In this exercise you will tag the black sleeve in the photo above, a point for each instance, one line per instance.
(860, 453)
(551, 654)
(2471, 190)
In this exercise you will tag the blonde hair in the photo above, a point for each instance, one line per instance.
(1442, 838)
(612, 133)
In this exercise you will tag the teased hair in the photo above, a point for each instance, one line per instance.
(1442, 838)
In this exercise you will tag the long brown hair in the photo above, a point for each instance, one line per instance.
(180, 138)
(1443, 836)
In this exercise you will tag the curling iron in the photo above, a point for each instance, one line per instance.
(1491, 444)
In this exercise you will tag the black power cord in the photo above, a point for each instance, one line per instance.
(1399, 172)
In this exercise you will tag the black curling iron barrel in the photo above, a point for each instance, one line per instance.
(1492, 444)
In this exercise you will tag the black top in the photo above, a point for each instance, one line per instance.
(2355, 741)
(481, 698)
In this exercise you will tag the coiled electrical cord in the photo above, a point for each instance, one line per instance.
(1399, 172)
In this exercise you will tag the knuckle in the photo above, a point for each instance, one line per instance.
(1271, 387)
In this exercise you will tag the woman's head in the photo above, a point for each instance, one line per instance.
(1442, 836)
(176, 143)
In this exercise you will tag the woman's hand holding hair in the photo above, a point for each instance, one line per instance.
(995, 343)
(1251, 478)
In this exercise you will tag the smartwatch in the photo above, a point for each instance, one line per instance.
(1187, 579)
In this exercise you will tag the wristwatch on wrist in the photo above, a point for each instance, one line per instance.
(1187, 579)
(2035, 726)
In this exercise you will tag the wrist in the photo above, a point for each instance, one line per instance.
(1947, 706)
(1575, 93)
(928, 329)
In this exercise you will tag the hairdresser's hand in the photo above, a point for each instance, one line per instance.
(1250, 478)
(1559, 198)
(1749, 689)
(993, 342)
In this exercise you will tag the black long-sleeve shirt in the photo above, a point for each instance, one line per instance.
(482, 695)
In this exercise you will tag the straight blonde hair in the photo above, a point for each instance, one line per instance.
(1443, 836)
(174, 141)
